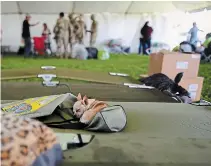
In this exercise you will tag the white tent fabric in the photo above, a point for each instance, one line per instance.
(116, 19)
(129, 7)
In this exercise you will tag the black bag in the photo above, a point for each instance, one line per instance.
(187, 47)
(92, 52)
(207, 50)
(21, 51)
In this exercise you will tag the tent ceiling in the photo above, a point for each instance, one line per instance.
(191, 5)
(130, 7)
(101, 6)
(150, 6)
(9, 7)
(45, 7)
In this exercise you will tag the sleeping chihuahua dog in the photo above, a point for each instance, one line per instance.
(85, 109)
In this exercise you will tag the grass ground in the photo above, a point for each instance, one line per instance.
(132, 64)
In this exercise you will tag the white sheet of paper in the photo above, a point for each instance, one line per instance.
(141, 86)
(193, 87)
(113, 74)
(129, 84)
(48, 67)
(182, 65)
(118, 74)
(138, 86)
(122, 74)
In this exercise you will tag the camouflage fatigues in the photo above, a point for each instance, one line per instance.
(93, 36)
(62, 30)
(73, 29)
(80, 32)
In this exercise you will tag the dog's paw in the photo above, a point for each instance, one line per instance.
(83, 120)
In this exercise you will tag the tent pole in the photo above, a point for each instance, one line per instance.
(126, 12)
(19, 8)
(73, 8)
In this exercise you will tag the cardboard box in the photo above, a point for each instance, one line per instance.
(193, 86)
(172, 63)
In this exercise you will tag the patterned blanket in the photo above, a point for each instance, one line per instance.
(27, 142)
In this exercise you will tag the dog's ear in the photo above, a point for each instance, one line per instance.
(79, 97)
(85, 99)
(178, 78)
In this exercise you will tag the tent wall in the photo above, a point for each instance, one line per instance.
(167, 28)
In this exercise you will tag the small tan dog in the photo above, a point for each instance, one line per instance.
(86, 109)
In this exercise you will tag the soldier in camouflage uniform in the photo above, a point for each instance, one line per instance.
(93, 31)
(82, 29)
(73, 26)
(62, 30)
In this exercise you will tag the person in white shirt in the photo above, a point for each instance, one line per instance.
(46, 34)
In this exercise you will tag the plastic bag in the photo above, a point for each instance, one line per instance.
(104, 55)
(79, 52)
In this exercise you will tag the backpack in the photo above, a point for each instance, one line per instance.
(92, 52)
